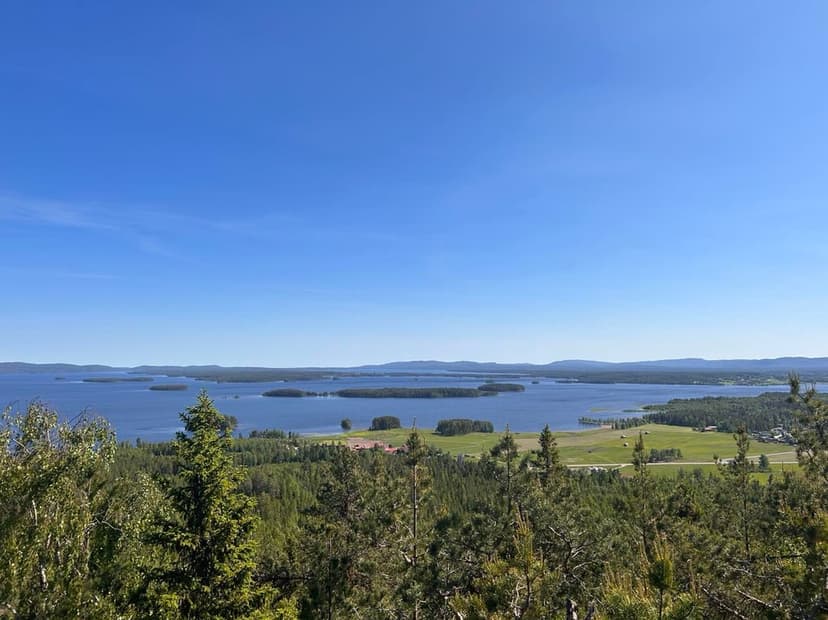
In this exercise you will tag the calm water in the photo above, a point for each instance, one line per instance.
(136, 411)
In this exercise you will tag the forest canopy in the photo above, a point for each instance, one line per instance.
(276, 526)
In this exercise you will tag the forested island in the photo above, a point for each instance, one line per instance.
(489, 389)
(276, 526)
(502, 387)
(169, 387)
(290, 393)
(403, 392)
(118, 379)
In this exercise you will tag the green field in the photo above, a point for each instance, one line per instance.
(603, 446)
(671, 469)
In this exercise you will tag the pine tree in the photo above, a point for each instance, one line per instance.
(507, 449)
(209, 534)
(738, 471)
(643, 502)
(547, 457)
(416, 453)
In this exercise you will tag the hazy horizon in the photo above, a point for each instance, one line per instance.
(423, 361)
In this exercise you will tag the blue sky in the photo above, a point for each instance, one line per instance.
(336, 183)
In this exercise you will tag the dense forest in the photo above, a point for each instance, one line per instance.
(275, 526)
(758, 413)
(726, 413)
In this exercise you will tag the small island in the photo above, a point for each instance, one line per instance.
(288, 393)
(502, 387)
(489, 389)
(118, 379)
(169, 387)
(402, 392)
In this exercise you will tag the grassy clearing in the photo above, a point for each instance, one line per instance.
(472, 443)
(597, 446)
(606, 446)
(673, 468)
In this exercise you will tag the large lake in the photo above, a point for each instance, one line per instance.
(135, 411)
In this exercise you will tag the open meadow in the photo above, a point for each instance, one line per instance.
(602, 447)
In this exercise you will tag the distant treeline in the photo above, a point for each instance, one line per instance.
(616, 423)
(726, 413)
(403, 392)
(268, 433)
(676, 377)
(293, 393)
(463, 426)
(168, 387)
(665, 455)
(117, 379)
(502, 387)
(386, 392)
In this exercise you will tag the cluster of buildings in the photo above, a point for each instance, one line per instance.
(775, 435)
(357, 444)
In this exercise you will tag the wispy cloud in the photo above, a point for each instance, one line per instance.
(115, 222)
(57, 274)
(51, 212)
(158, 232)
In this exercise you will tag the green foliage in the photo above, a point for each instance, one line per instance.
(463, 426)
(384, 423)
(208, 531)
(268, 433)
(759, 413)
(345, 424)
(50, 512)
(640, 459)
(421, 534)
(664, 455)
(811, 432)
(547, 457)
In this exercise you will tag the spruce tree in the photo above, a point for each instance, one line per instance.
(209, 533)
(547, 456)
(507, 449)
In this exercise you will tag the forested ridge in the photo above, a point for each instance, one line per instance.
(276, 526)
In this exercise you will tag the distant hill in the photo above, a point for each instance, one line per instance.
(780, 364)
(23, 367)
(681, 371)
